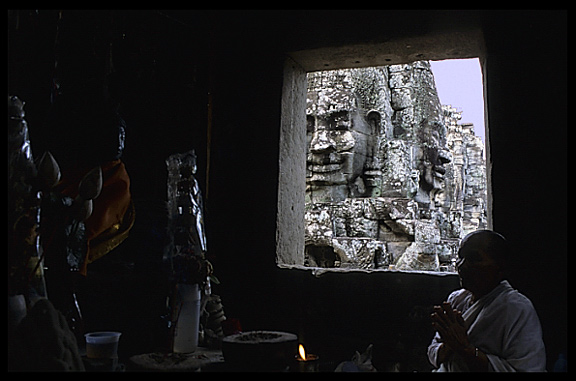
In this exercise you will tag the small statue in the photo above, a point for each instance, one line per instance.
(361, 362)
(85, 134)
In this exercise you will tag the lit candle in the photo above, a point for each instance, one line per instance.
(306, 362)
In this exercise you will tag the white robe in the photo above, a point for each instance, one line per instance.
(502, 324)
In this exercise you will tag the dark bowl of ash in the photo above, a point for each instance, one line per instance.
(268, 351)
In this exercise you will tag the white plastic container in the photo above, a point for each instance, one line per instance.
(16, 310)
(188, 323)
(101, 345)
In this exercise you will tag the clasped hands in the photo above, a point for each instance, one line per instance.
(451, 328)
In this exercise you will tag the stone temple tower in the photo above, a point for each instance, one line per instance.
(393, 181)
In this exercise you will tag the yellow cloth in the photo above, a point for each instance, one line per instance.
(113, 212)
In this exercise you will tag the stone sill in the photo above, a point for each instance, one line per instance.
(319, 271)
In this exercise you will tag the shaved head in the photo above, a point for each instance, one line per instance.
(489, 242)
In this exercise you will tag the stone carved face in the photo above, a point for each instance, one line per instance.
(431, 156)
(339, 142)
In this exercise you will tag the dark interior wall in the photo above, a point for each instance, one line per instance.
(526, 94)
(169, 62)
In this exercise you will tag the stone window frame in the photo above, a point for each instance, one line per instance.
(290, 226)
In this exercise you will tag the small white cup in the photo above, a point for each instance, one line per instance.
(102, 344)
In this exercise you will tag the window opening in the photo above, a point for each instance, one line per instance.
(394, 179)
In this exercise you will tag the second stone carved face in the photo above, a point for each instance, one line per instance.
(432, 155)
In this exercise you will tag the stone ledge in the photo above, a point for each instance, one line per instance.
(319, 271)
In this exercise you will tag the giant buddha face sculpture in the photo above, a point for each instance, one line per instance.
(340, 140)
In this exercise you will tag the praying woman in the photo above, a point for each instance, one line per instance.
(486, 325)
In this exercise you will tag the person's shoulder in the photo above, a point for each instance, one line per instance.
(519, 312)
(516, 300)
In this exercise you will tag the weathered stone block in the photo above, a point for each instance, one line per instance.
(426, 231)
(419, 256)
(356, 252)
(401, 98)
(395, 249)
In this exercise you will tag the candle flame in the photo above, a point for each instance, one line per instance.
(302, 352)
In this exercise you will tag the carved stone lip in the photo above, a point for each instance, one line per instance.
(327, 168)
(324, 164)
(318, 184)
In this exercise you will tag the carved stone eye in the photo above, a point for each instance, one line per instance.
(340, 121)
(309, 124)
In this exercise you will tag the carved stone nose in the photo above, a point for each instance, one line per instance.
(321, 142)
